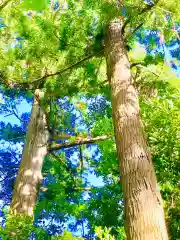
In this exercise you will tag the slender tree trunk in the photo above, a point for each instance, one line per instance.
(29, 176)
(144, 215)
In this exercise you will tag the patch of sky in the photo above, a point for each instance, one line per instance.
(2, 25)
(74, 158)
(89, 174)
(8, 146)
(169, 52)
(78, 228)
(56, 6)
(22, 107)
(95, 181)
(149, 2)
(94, 152)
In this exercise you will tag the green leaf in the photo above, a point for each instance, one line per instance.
(35, 5)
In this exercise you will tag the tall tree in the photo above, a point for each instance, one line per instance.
(36, 145)
(35, 149)
(29, 176)
(144, 215)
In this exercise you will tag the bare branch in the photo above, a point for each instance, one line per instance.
(9, 114)
(17, 116)
(77, 142)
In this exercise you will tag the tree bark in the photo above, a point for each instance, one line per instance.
(29, 176)
(77, 142)
(144, 214)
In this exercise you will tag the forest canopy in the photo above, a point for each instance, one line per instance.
(89, 119)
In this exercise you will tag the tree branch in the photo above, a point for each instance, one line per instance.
(56, 11)
(41, 79)
(13, 112)
(3, 5)
(52, 4)
(136, 64)
(175, 30)
(149, 7)
(39, 82)
(16, 138)
(43, 189)
(62, 163)
(77, 142)
(144, 10)
(134, 31)
(120, 4)
(84, 188)
(139, 65)
(81, 159)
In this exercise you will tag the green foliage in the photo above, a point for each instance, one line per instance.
(66, 236)
(17, 227)
(162, 123)
(51, 42)
(35, 5)
(105, 234)
(138, 53)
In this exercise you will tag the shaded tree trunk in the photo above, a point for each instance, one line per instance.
(144, 214)
(29, 176)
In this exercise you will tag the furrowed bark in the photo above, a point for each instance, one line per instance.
(29, 176)
(144, 214)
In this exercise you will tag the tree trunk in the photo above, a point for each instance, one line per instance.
(29, 176)
(144, 214)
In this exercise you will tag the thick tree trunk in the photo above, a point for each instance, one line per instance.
(144, 215)
(29, 176)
